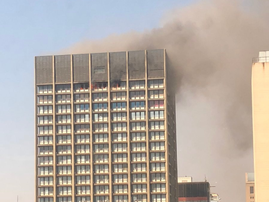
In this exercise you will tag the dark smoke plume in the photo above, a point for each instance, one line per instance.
(210, 46)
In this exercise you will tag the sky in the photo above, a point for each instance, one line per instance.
(29, 28)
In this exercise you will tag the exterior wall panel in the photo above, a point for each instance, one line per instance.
(99, 67)
(117, 66)
(136, 64)
(81, 68)
(155, 63)
(43, 65)
(63, 68)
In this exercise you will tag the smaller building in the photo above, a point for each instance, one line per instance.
(214, 197)
(250, 195)
(193, 191)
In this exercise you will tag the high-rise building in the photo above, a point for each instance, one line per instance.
(250, 196)
(260, 116)
(105, 128)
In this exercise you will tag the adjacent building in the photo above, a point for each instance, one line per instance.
(260, 116)
(250, 196)
(193, 191)
(105, 128)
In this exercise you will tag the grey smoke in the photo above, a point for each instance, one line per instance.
(210, 46)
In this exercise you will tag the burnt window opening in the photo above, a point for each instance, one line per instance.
(99, 70)
(99, 86)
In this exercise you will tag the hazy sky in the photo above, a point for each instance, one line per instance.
(36, 27)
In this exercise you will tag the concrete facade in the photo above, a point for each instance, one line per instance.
(260, 116)
(250, 195)
(105, 128)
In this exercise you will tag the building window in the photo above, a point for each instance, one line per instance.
(82, 128)
(45, 181)
(251, 189)
(101, 199)
(64, 119)
(157, 166)
(120, 106)
(63, 170)
(156, 94)
(47, 199)
(157, 104)
(139, 157)
(82, 138)
(118, 96)
(45, 110)
(64, 160)
(101, 148)
(118, 85)
(137, 84)
(158, 188)
(99, 158)
(82, 108)
(138, 126)
(157, 177)
(64, 180)
(45, 140)
(99, 86)
(99, 97)
(45, 160)
(119, 147)
(81, 87)
(81, 98)
(156, 114)
(63, 109)
(119, 127)
(64, 129)
(101, 179)
(139, 177)
(83, 159)
(156, 125)
(120, 198)
(100, 138)
(44, 89)
(158, 156)
(139, 188)
(64, 190)
(83, 169)
(83, 179)
(138, 136)
(63, 98)
(139, 146)
(155, 146)
(119, 157)
(100, 107)
(63, 139)
(118, 168)
(157, 135)
(139, 198)
(158, 198)
(63, 88)
(44, 130)
(100, 117)
(137, 105)
(119, 137)
(45, 150)
(100, 127)
(45, 170)
(101, 190)
(44, 120)
(137, 95)
(120, 189)
(80, 149)
(139, 167)
(83, 199)
(64, 199)
(155, 83)
(137, 115)
(120, 178)
(45, 191)
(44, 99)
(81, 118)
